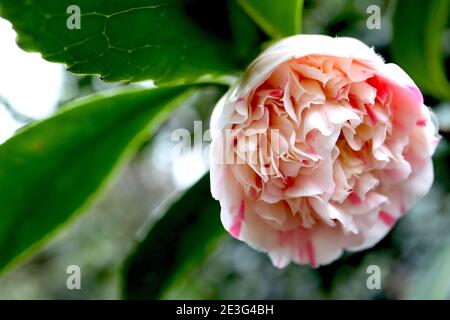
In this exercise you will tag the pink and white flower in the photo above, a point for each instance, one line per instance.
(331, 146)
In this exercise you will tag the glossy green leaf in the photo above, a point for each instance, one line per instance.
(246, 34)
(277, 18)
(417, 44)
(53, 167)
(164, 40)
(175, 245)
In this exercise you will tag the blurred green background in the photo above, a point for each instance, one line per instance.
(414, 258)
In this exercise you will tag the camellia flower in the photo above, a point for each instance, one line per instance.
(319, 147)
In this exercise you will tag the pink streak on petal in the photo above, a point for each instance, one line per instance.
(387, 218)
(382, 91)
(309, 140)
(311, 253)
(421, 123)
(276, 93)
(353, 197)
(235, 229)
(288, 182)
(417, 94)
(354, 103)
(371, 114)
(344, 90)
(301, 255)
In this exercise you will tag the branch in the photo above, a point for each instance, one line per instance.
(18, 116)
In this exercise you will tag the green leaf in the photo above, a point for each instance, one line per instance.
(417, 44)
(277, 18)
(52, 168)
(125, 40)
(432, 282)
(176, 244)
(246, 33)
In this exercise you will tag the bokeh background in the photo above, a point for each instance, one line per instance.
(414, 258)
